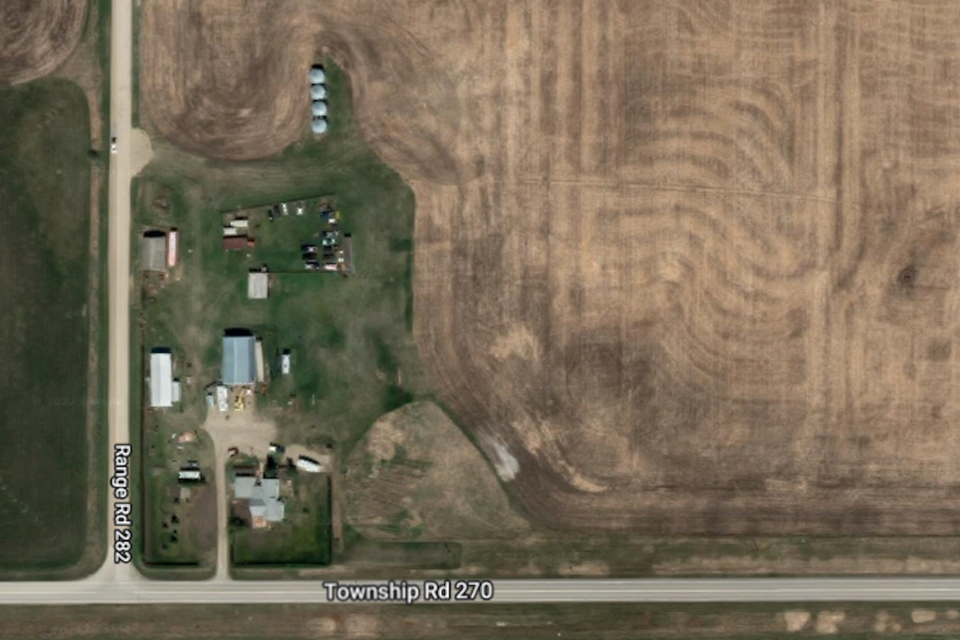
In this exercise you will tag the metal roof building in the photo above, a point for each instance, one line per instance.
(264, 497)
(258, 285)
(153, 251)
(318, 92)
(239, 362)
(161, 378)
(319, 125)
(319, 108)
(317, 75)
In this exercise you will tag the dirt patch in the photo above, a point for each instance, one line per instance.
(827, 621)
(726, 227)
(796, 620)
(923, 616)
(416, 476)
(37, 36)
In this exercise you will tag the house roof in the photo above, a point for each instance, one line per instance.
(161, 379)
(243, 487)
(239, 360)
(264, 497)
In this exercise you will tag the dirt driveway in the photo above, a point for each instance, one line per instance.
(251, 434)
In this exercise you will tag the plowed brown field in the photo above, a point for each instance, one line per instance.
(682, 266)
(37, 35)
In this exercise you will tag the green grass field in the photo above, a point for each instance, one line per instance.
(44, 332)
(354, 356)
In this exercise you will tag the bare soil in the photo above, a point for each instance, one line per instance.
(469, 621)
(37, 36)
(681, 267)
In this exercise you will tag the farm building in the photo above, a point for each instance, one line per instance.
(258, 285)
(319, 125)
(258, 356)
(317, 75)
(318, 92)
(238, 243)
(172, 239)
(239, 360)
(153, 251)
(189, 475)
(319, 108)
(161, 378)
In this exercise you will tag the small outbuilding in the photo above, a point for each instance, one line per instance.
(258, 285)
(309, 465)
(172, 239)
(239, 360)
(153, 250)
(238, 243)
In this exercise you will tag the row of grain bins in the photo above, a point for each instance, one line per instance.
(318, 94)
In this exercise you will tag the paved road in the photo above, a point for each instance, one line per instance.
(652, 590)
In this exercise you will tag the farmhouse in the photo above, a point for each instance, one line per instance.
(264, 496)
(161, 378)
(239, 358)
(153, 251)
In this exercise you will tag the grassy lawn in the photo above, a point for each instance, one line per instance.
(353, 353)
(44, 332)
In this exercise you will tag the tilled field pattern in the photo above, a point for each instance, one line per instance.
(682, 266)
(37, 35)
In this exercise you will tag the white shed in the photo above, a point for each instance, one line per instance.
(161, 378)
(258, 285)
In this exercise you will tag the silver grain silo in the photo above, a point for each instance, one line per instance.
(319, 125)
(318, 92)
(317, 75)
(319, 108)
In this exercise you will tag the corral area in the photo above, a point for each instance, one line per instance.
(45, 265)
(682, 267)
(37, 36)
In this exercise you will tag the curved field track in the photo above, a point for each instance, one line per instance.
(682, 266)
(37, 35)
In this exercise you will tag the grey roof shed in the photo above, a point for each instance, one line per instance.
(153, 251)
(239, 360)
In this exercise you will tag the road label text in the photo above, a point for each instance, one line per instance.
(120, 481)
(403, 591)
